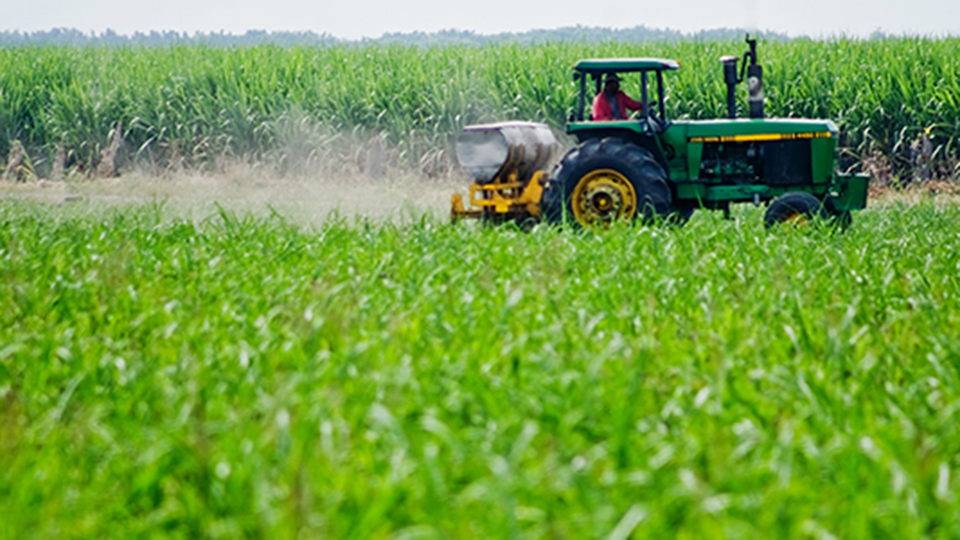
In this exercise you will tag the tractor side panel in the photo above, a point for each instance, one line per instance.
(823, 152)
(694, 157)
(683, 158)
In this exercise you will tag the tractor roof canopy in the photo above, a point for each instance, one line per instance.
(624, 65)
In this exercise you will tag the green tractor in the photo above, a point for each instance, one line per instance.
(651, 168)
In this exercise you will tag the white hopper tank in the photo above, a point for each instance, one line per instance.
(488, 151)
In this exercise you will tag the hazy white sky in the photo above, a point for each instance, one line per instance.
(371, 18)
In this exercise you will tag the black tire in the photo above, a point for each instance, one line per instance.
(794, 206)
(638, 166)
(680, 217)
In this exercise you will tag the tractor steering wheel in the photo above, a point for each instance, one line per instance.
(652, 109)
(654, 122)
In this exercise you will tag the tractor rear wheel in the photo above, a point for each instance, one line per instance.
(604, 181)
(796, 207)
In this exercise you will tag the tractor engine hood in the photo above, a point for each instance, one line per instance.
(746, 130)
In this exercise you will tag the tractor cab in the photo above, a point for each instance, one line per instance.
(648, 68)
(647, 129)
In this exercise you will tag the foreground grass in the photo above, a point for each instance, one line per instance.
(245, 377)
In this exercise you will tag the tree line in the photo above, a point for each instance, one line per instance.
(571, 34)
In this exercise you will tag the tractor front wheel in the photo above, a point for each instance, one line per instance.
(604, 181)
(795, 207)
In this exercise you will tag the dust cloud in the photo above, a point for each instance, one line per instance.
(396, 195)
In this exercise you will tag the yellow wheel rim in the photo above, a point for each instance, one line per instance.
(602, 197)
(798, 219)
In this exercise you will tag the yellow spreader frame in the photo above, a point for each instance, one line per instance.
(504, 198)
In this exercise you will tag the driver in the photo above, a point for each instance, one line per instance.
(611, 103)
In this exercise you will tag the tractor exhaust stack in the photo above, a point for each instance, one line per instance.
(754, 73)
(754, 80)
(730, 78)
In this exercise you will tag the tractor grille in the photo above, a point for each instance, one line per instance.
(786, 163)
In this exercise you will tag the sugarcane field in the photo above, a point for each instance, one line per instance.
(685, 287)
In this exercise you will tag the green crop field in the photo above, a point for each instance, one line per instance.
(202, 103)
(245, 376)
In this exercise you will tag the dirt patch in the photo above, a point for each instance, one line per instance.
(941, 192)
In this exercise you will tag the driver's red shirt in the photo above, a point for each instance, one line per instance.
(603, 111)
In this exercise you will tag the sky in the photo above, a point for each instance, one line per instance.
(354, 19)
